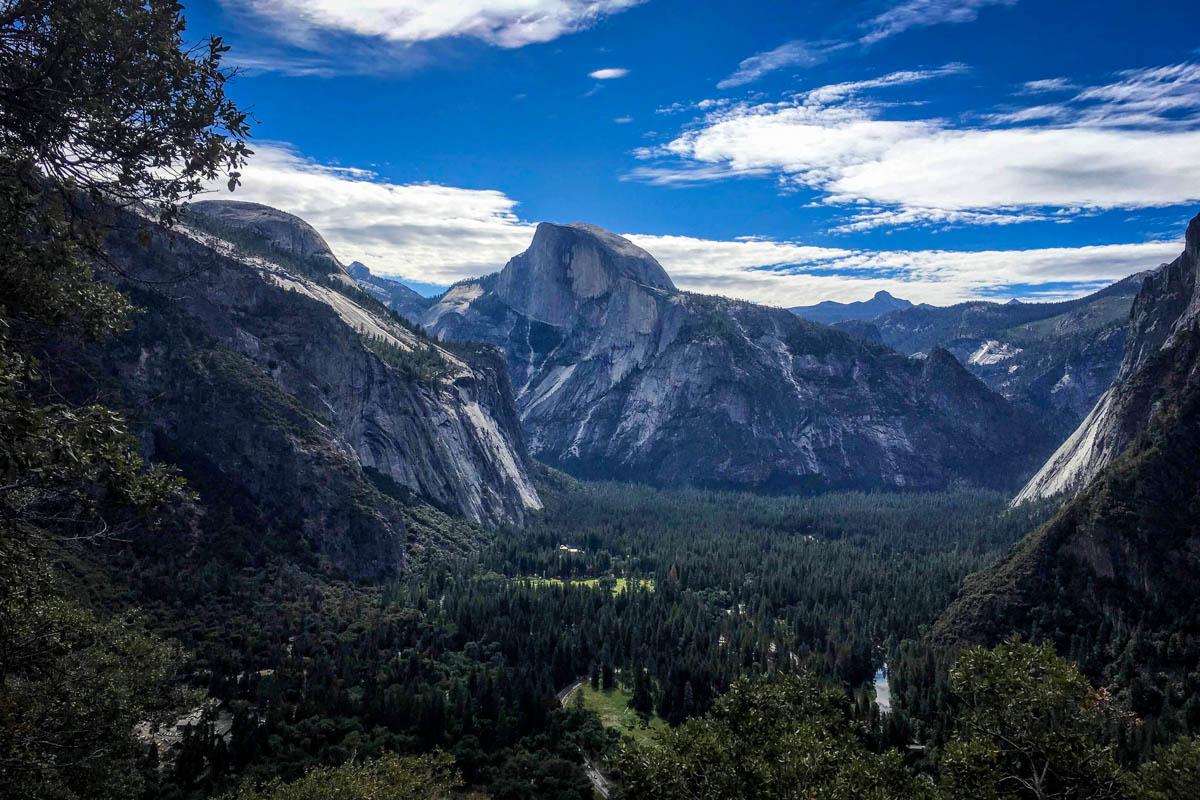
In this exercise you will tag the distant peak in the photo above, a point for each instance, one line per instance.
(830, 311)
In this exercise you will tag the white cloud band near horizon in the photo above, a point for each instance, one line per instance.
(437, 234)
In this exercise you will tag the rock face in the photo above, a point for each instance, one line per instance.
(1053, 360)
(273, 377)
(1166, 306)
(569, 266)
(620, 375)
(829, 312)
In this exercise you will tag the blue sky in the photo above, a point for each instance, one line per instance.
(785, 152)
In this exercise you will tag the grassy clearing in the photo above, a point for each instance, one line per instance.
(612, 707)
(622, 584)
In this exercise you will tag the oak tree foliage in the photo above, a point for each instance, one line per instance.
(104, 110)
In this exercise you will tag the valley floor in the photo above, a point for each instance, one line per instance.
(687, 589)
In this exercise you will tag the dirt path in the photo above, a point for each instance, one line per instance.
(565, 693)
(602, 784)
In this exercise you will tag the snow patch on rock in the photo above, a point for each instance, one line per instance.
(993, 352)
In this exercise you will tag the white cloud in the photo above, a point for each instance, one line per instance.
(608, 74)
(623, 120)
(1133, 143)
(1029, 168)
(921, 13)
(785, 274)
(836, 92)
(790, 54)
(871, 218)
(1046, 85)
(505, 23)
(423, 231)
(440, 234)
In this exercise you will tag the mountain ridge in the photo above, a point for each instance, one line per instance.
(830, 311)
(393, 293)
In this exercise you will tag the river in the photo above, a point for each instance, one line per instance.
(883, 691)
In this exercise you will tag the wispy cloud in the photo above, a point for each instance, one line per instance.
(283, 63)
(837, 92)
(909, 14)
(623, 120)
(1047, 85)
(439, 234)
(865, 219)
(1145, 96)
(790, 54)
(706, 104)
(608, 74)
(1132, 143)
(1152, 97)
(922, 13)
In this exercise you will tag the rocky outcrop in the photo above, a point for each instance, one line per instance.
(304, 397)
(619, 375)
(1167, 305)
